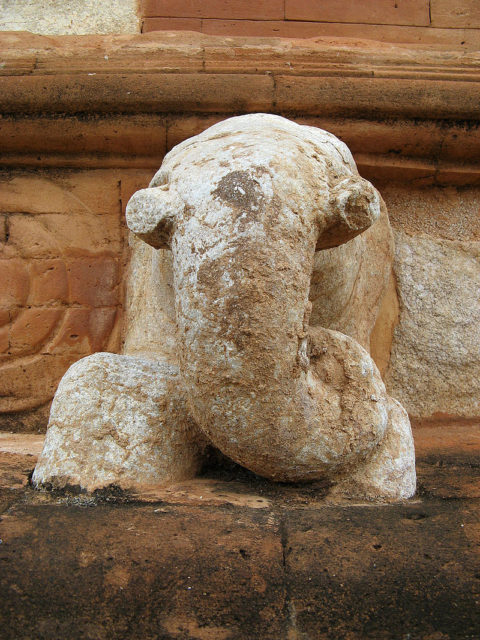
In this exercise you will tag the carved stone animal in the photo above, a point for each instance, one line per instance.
(274, 239)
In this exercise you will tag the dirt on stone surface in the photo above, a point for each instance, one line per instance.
(232, 556)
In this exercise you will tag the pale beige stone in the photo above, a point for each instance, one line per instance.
(57, 17)
(435, 361)
(349, 282)
(244, 207)
(389, 472)
(149, 305)
(118, 420)
(243, 229)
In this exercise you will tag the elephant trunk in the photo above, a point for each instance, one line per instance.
(286, 401)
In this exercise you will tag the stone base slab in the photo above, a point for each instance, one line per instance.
(228, 556)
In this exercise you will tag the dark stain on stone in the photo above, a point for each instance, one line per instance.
(242, 192)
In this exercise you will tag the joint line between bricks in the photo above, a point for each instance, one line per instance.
(287, 608)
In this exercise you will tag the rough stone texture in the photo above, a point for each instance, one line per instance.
(435, 362)
(51, 17)
(60, 263)
(236, 217)
(390, 470)
(353, 278)
(417, 21)
(231, 556)
(440, 212)
(149, 308)
(118, 420)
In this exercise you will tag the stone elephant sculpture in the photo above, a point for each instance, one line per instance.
(279, 254)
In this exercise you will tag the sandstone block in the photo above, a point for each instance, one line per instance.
(435, 362)
(373, 97)
(49, 282)
(261, 10)
(118, 420)
(83, 331)
(93, 281)
(406, 12)
(30, 382)
(136, 135)
(461, 14)
(171, 24)
(32, 329)
(15, 283)
(73, 192)
(298, 29)
(450, 213)
(4, 336)
(160, 92)
(60, 297)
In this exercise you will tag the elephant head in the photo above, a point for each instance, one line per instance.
(243, 208)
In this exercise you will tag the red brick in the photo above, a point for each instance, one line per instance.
(252, 9)
(401, 12)
(381, 33)
(94, 192)
(15, 283)
(49, 285)
(32, 328)
(171, 24)
(28, 384)
(93, 281)
(462, 13)
(84, 331)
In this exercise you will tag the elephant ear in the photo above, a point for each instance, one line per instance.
(151, 214)
(354, 205)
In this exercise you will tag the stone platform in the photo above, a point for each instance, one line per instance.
(229, 556)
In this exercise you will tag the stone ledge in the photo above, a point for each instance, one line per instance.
(230, 557)
(447, 454)
(415, 106)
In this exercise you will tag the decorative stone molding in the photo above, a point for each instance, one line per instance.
(104, 110)
(410, 111)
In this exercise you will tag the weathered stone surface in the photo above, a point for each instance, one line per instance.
(389, 472)
(264, 389)
(149, 307)
(149, 571)
(440, 212)
(435, 361)
(236, 558)
(353, 278)
(390, 572)
(77, 17)
(60, 262)
(118, 420)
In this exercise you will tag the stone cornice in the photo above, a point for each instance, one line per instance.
(409, 109)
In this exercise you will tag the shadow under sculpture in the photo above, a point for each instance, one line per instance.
(274, 237)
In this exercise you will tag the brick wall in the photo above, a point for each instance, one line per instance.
(447, 22)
